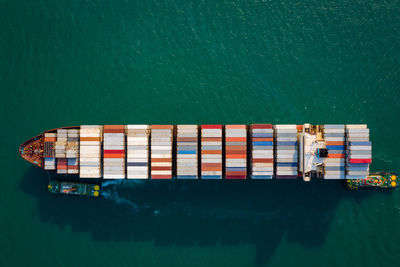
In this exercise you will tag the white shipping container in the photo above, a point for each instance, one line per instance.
(211, 156)
(285, 126)
(263, 169)
(137, 126)
(211, 173)
(262, 131)
(160, 172)
(356, 126)
(161, 164)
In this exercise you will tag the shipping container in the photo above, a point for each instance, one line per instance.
(286, 154)
(359, 151)
(137, 151)
(187, 152)
(161, 151)
(235, 148)
(114, 152)
(90, 138)
(211, 151)
(262, 156)
(335, 144)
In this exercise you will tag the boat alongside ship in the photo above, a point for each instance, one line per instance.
(257, 151)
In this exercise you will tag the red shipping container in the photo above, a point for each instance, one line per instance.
(235, 177)
(235, 173)
(360, 160)
(261, 126)
(263, 160)
(114, 151)
(210, 126)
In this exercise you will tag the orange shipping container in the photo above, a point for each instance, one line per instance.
(235, 126)
(336, 156)
(94, 139)
(119, 127)
(334, 143)
(234, 156)
(262, 139)
(110, 156)
(236, 139)
(211, 164)
(211, 152)
(161, 126)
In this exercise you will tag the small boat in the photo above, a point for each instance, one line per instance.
(73, 188)
(385, 180)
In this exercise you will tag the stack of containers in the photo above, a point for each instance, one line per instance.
(72, 150)
(49, 153)
(235, 151)
(211, 151)
(286, 151)
(90, 137)
(262, 140)
(359, 153)
(114, 152)
(137, 151)
(187, 141)
(161, 151)
(62, 165)
(61, 146)
(61, 143)
(334, 163)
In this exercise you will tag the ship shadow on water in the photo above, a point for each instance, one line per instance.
(198, 213)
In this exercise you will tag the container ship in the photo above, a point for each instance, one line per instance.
(256, 151)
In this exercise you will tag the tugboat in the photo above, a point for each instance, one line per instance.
(384, 180)
(72, 188)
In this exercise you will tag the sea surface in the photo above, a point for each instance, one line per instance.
(73, 62)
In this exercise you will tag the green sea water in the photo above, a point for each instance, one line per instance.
(117, 62)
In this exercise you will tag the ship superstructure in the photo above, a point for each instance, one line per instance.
(257, 151)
